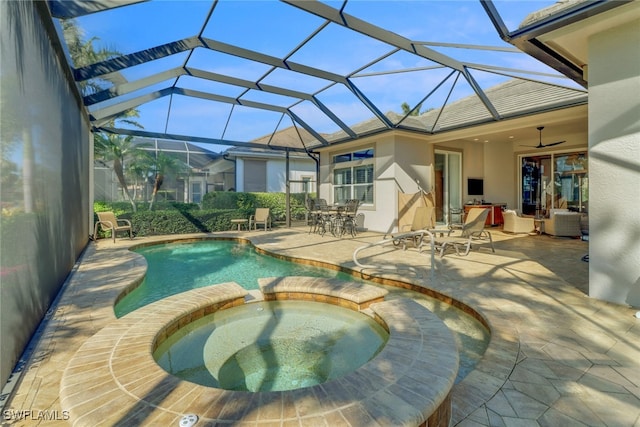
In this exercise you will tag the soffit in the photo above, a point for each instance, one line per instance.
(558, 34)
(572, 40)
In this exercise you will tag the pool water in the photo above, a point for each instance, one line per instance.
(272, 346)
(179, 267)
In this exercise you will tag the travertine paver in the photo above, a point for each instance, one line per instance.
(531, 292)
(114, 380)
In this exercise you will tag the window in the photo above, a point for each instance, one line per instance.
(356, 155)
(306, 184)
(196, 192)
(353, 179)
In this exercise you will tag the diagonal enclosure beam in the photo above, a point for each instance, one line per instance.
(202, 140)
(351, 22)
(125, 61)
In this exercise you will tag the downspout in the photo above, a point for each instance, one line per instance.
(288, 190)
(225, 156)
(317, 160)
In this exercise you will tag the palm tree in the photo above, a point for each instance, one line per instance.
(109, 147)
(84, 53)
(115, 148)
(164, 164)
(406, 109)
(138, 170)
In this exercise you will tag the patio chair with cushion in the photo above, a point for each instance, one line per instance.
(514, 223)
(261, 217)
(107, 221)
(563, 224)
(472, 231)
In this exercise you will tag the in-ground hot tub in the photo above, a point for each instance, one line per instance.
(272, 346)
(407, 383)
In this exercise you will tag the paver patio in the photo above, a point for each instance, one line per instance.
(557, 357)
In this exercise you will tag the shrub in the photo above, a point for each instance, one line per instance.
(153, 223)
(218, 209)
(220, 200)
(248, 202)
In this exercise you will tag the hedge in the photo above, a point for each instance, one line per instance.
(218, 209)
(248, 202)
(153, 223)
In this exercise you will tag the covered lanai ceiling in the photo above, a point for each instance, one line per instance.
(242, 72)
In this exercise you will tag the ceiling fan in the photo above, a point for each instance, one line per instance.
(540, 144)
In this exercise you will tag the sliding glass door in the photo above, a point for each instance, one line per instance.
(554, 181)
(448, 186)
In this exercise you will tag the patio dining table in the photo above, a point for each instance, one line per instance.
(334, 219)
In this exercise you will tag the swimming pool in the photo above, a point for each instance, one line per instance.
(178, 267)
(181, 266)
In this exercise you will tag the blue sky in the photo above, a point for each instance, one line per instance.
(276, 29)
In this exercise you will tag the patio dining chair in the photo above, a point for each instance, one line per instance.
(107, 222)
(348, 217)
(261, 217)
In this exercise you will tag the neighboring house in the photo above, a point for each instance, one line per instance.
(264, 170)
(189, 185)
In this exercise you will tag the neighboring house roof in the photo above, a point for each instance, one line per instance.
(291, 137)
(192, 155)
(263, 152)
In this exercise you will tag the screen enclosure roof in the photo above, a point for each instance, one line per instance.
(301, 75)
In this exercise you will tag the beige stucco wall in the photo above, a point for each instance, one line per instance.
(614, 164)
(400, 160)
(500, 179)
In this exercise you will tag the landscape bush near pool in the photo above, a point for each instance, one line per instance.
(215, 213)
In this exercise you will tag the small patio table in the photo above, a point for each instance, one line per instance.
(239, 222)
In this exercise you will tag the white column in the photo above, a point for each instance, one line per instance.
(614, 165)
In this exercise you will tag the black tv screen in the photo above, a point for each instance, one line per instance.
(475, 187)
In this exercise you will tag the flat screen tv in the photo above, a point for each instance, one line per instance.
(475, 187)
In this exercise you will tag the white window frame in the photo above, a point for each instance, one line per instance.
(348, 163)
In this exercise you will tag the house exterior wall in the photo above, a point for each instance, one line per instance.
(399, 161)
(500, 178)
(276, 173)
(45, 221)
(614, 164)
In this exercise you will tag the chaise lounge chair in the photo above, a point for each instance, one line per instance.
(472, 231)
(107, 221)
(422, 220)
